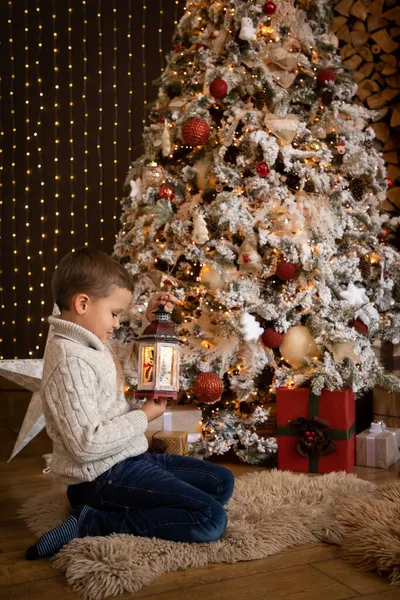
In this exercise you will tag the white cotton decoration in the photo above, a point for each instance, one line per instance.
(166, 140)
(136, 189)
(251, 328)
(354, 296)
(200, 231)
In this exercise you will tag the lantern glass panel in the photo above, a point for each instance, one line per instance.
(167, 366)
(147, 364)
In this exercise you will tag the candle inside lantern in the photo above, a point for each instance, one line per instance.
(158, 375)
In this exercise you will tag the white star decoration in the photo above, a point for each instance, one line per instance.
(354, 295)
(28, 374)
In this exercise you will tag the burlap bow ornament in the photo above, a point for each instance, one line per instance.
(282, 64)
(314, 440)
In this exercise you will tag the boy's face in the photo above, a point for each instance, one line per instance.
(101, 316)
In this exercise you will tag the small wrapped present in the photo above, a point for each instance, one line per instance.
(168, 442)
(389, 354)
(316, 434)
(182, 417)
(378, 446)
(386, 406)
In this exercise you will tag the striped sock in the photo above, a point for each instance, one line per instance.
(52, 541)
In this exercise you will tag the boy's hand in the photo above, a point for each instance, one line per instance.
(161, 299)
(154, 408)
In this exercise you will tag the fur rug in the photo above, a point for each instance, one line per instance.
(269, 512)
(371, 531)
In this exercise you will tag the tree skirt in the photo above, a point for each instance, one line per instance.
(371, 531)
(270, 511)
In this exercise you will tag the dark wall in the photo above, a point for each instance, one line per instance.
(35, 186)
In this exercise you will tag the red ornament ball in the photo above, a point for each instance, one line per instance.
(195, 131)
(218, 89)
(384, 234)
(208, 387)
(324, 76)
(359, 326)
(179, 48)
(389, 182)
(263, 169)
(269, 9)
(198, 46)
(271, 338)
(166, 192)
(286, 270)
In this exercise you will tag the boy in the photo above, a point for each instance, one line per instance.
(99, 446)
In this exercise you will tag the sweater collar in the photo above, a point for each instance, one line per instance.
(75, 333)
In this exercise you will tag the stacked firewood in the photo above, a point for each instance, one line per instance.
(369, 33)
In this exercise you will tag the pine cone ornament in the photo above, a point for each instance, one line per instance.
(195, 131)
(365, 268)
(208, 387)
(309, 186)
(261, 99)
(358, 188)
(177, 316)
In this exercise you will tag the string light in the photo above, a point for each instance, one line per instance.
(176, 12)
(115, 122)
(144, 61)
(71, 127)
(85, 125)
(130, 76)
(13, 180)
(160, 29)
(100, 118)
(38, 137)
(56, 139)
(27, 180)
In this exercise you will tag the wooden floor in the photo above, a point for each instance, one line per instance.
(300, 574)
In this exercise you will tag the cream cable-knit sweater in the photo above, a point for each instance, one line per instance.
(90, 422)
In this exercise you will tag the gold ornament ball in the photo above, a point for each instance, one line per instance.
(211, 276)
(214, 278)
(297, 345)
(313, 146)
(152, 175)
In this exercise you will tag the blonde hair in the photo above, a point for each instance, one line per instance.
(88, 271)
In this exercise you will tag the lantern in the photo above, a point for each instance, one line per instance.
(158, 349)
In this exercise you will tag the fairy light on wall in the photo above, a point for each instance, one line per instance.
(43, 105)
(27, 186)
(100, 118)
(38, 137)
(85, 126)
(130, 76)
(115, 122)
(176, 12)
(160, 29)
(56, 130)
(13, 179)
(71, 126)
(144, 74)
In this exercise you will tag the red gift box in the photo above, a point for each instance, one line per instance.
(338, 408)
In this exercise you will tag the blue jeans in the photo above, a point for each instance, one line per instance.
(172, 497)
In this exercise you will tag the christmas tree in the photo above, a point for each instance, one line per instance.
(257, 203)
